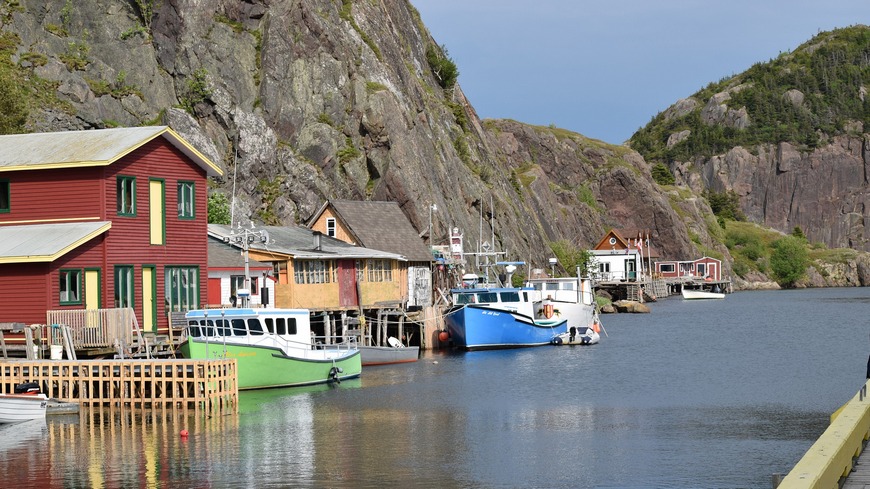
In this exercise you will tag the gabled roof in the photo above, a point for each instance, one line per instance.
(31, 243)
(298, 242)
(625, 239)
(228, 256)
(98, 147)
(604, 244)
(379, 224)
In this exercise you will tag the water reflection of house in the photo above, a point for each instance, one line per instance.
(623, 256)
(112, 218)
(381, 226)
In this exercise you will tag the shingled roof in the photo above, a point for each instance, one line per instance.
(298, 242)
(382, 226)
(228, 256)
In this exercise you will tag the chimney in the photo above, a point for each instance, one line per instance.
(317, 236)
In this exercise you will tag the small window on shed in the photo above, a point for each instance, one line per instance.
(330, 227)
(4, 196)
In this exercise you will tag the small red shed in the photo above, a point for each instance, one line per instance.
(705, 267)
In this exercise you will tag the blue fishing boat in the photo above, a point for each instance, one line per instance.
(487, 318)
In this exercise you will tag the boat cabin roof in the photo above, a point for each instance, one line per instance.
(489, 290)
(244, 312)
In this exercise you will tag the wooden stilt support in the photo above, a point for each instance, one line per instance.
(28, 341)
(67, 343)
(402, 330)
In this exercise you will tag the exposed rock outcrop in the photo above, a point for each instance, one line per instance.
(301, 101)
(824, 191)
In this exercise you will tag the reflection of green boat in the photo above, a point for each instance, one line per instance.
(274, 347)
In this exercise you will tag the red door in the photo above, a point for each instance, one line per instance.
(347, 283)
(214, 292)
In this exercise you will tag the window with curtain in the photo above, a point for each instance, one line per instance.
(70, 287)
(181, 286)
(186, 201)
(124, 286)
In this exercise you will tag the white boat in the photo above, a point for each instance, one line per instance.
(579, 336)
(568, 298)
(385, 355)
(26, 404)
(701, 294)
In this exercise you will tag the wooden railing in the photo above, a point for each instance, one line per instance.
(95, 328)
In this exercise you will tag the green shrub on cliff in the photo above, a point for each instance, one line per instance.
(442, 66)
(789, 260)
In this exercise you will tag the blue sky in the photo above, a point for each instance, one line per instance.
(604, 68)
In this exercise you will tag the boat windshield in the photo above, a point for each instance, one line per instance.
(510, 296)
(281, 326)
(487, 297)
(460, 299)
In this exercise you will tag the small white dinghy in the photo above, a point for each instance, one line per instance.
(25, 404)
(578, 336)
(396, 352)
(692, 294)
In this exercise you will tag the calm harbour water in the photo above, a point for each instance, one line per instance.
(712, 394)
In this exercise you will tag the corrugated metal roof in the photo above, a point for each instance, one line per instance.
(225, 255)
(298, 242)
(382, 225)
(98, 147)
(46, 242)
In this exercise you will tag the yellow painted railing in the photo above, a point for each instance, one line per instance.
(832, 456)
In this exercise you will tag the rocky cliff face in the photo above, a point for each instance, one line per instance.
(824, 191)
(306, 100)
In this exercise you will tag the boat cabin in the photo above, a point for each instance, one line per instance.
(563, 289)
(246, 325)
(507, 297)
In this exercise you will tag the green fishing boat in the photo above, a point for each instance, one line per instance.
(273, 347)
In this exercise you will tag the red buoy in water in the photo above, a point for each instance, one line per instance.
(183, 433)
(443, 336)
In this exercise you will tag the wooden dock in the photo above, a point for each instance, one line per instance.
(156, 383)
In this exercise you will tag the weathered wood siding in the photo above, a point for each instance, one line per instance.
(327, 296)
(341, 232)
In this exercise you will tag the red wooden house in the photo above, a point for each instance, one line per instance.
(702, 268)
(102, 219)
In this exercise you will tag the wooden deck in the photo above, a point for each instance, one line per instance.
(859, 478)
(199, 384)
